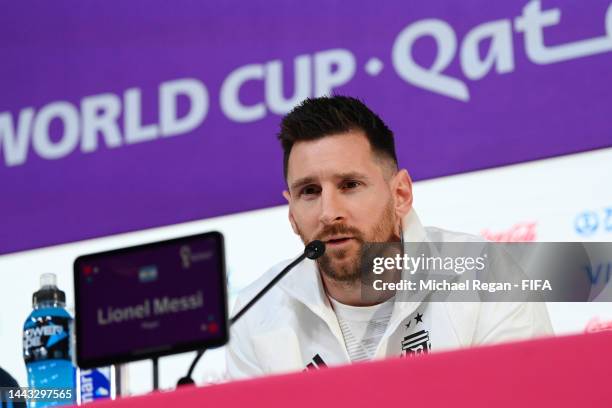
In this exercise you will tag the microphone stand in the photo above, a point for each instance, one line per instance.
(313, 250)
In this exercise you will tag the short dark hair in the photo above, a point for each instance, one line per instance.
(315, 118)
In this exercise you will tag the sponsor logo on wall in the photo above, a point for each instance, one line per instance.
(594, 221)
(519, 232)
(599, 273)
(598, 325)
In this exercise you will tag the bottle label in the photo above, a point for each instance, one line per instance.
(95, 384)
(46, 337)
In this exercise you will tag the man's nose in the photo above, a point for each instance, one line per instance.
(332, 209)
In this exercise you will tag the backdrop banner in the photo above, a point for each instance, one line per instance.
(118, 116)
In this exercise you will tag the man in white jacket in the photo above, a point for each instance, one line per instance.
(345, 188)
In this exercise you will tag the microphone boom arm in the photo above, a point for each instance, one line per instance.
(313, 250)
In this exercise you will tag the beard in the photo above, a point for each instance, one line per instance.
(345, 265)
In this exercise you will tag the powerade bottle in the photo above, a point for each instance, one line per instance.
(47, 345)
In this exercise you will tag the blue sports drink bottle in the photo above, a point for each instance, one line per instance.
(47, 348)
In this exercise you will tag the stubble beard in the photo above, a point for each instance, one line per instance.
(345, 265)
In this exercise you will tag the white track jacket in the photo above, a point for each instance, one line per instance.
(293, 327)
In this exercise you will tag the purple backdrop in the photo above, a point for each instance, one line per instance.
(73, 74)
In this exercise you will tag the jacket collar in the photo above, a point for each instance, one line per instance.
(412, 228)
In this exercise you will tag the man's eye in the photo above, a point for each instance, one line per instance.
(309, 190)
(351, 184)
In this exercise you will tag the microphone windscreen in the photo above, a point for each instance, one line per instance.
(314, 249)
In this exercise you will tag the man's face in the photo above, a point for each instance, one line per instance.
(341, 193)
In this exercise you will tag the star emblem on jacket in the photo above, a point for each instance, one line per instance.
(417, 342)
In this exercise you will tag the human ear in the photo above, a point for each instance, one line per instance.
(401, 188)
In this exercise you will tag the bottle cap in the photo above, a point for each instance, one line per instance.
(48, 292)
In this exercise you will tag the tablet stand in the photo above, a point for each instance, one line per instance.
(155, 373)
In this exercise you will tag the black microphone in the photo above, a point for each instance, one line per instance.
(313, 250)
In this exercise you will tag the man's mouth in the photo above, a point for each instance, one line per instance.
(336, 242)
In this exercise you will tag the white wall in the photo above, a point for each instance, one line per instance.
(550, 193)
